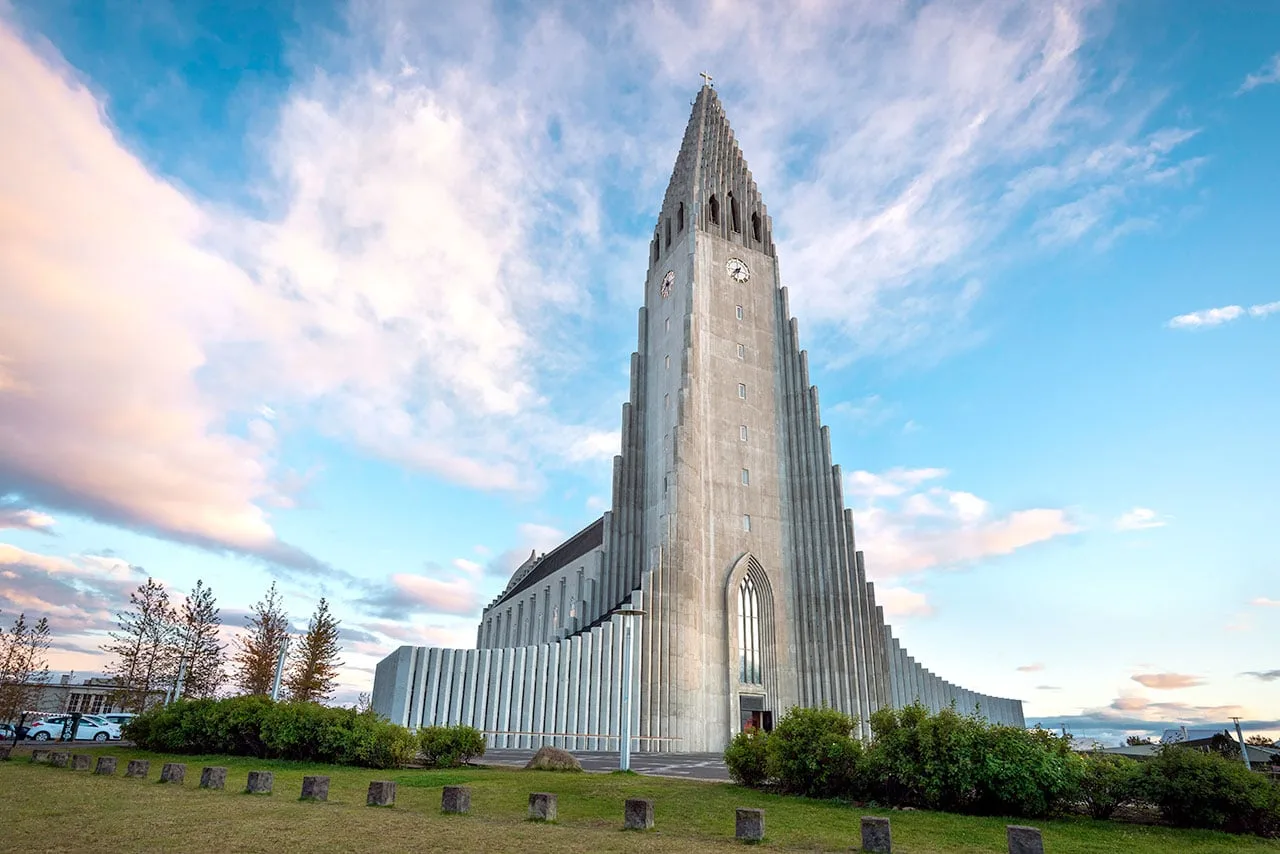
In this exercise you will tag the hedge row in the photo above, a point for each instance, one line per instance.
(256, 726)
(961, 763)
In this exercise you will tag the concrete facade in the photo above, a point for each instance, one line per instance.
(728, 527)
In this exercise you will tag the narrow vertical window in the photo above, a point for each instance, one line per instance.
(742, 351)
(746, 522)
(666, 325)
(755, 227)
(657, 245)
(680, 218)
(739, 311)
(742, 432)
(748, 634)
(742, 390)
(666, 360)
(746, 477)
(666, 401)
(713, 209)
(668, 229)
(733, 214)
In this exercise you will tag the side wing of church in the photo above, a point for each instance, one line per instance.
(727, 528)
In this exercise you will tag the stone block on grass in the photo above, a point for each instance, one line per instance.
(81, 762)
(749, 825)
(382, 793)
(315, 788)
(259, 783)
(1024, 840)
(139, 768)
(173, 772)
(637, 814)
(542, 806)
(106, 766)
(213, 777)
(58, 759)
(876, 835)
(39, 756)
(456, 800)
(6, 750)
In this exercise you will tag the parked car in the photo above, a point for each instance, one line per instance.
(91, 726)
(118, 718)
(9, 731)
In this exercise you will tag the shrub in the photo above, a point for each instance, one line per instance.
(1025, 772)
(255, 726)
(947, 761)
(449, 747)
(1195, 789)
(748, 758)
(812, 752)
(1108, 782)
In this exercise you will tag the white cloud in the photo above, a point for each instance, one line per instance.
(25, 519)
(1267, 74)
(1207, 317)
(1263, 309)
(435, 237)
(1264, 602)
(1219, 316)
(467, 565)
(1139, 519)
(894, 482)
(901, 602)
(99, 407)
(905, 529)
(1030, 668)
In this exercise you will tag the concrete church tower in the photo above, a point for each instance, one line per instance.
(728, 526)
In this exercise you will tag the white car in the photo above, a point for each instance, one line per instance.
(118, 718)
(91, 727)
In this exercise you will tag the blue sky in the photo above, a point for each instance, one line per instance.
(312, 292)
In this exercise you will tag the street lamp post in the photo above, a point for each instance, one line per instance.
(624, 728)
(284, 654)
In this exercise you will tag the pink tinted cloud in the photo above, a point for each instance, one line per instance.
(420, 593)
(906, 526)
(1167, 681)
(100, 412)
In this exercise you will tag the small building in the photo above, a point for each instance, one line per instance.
(92, 696)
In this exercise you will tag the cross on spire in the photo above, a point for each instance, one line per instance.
(706, 78)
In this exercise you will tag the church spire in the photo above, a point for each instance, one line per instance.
(711, 186)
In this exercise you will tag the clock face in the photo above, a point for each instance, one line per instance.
(665, 290)
(738, 270)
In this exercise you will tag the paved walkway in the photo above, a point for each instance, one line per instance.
(691, 766)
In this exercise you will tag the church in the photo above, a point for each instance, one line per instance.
(727, 529)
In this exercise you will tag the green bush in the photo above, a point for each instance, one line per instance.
(255, 726)
(1025, 772)
(812, 752)
(747, 757)
(450, 747)
(960, 763)
(1195, 789)
(1108, 782)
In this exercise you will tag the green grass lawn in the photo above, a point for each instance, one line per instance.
(56, 809)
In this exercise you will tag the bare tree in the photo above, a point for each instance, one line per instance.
(198, 645)
(313, 674)
(144, 650)
(259, 646)
(24, 666)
